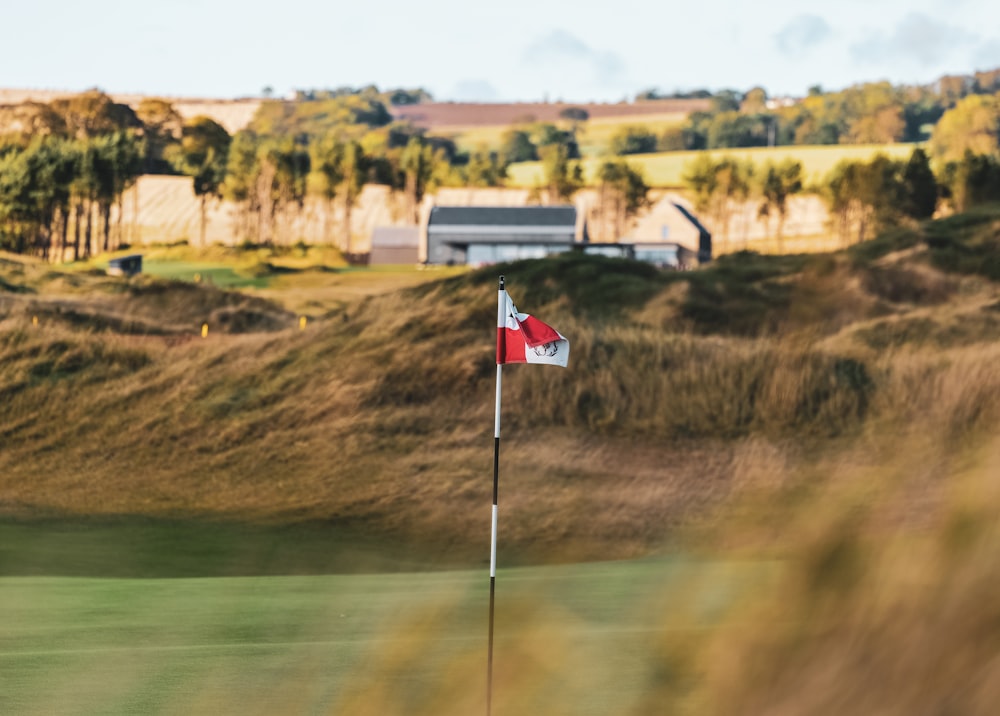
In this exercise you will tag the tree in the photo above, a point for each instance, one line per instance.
(777, 183)
(117, 163)
(754, 101)
(623, 193)
(162, 126)
(920, 188)
(548, 134)
(355, 171)
(242, 170)
(93, 113)
(574, 114)
(562, 178)
(733, 129)
(19, 124)
(727, 100)
(883, 126)
(203, 154)
(974, 180)
(417, 163)
(327, 163)
(485, 168)
(865, 197)
(718, 185)
(973, 125)
(516, 146)
(633, 140)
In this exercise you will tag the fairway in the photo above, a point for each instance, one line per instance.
(581, 639)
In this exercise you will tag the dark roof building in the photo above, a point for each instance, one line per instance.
(125, 265)
(478, 235)
(663, 254)
(395, 245)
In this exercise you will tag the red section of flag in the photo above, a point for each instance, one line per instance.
(510, 346)
(535, 332)
(522, 338)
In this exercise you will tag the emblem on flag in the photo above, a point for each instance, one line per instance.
(522, 338)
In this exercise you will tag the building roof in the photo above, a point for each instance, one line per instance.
(503, 216)
(691, 217)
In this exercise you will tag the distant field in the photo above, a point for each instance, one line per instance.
(594, 136)
(667, 169)
(434, 115)
(581, 639)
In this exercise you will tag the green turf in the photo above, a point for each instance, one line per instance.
(582, 639)
(221, 275)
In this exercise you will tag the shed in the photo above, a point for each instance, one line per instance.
(478, 235)
(125, 265)
(395, 245)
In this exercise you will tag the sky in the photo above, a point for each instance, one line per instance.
(514, 50)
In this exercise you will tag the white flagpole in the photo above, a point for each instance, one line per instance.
(501, 322)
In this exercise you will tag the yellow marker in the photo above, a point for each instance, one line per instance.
(204, 330)
(34, 320)
(302, 323)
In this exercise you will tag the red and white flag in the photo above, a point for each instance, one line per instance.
(522, 338)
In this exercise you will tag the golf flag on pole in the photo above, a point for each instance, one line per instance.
(522, 338)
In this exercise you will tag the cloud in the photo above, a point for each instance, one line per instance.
(561, 52)
(987, 56)
(917, 38)
(802, 34)
(474, 91)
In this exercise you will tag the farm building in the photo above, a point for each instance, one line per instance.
(478, 235)
(664, 254)
(670, 226)
(125, 265)
(395, 245)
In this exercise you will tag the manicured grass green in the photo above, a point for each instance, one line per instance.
(581, 639)
(667, 169)
(219, 275)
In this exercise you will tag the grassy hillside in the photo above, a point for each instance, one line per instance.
(344, 420)
(667, 169)
(834, 414)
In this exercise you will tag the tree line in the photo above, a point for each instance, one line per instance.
(863, 197)
(869, 113)
(66, 164)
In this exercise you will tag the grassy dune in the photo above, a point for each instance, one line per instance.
(827, 420)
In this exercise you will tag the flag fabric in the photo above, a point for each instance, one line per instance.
(522, 338)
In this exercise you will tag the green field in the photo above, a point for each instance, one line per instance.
(666, 169)
(593, 136)
(581, 639)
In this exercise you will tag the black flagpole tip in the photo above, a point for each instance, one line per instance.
(501, 283)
